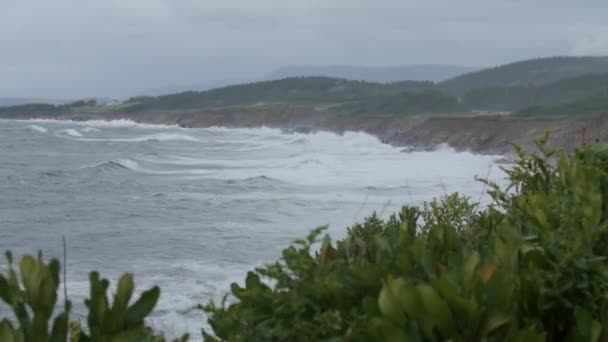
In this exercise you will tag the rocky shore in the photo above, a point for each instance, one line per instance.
(486, 134)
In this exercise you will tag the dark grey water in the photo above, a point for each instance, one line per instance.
(193, 209)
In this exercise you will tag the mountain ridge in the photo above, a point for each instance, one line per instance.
(414, 72)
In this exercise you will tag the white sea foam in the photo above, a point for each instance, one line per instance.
(102, 123)
(90, 130)
(323, 159)
(37, 128)
(128, 163)
(69, 132)
(160, 137)
(123, 123)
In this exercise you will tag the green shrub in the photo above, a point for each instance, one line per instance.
(32, 296)
(533, 266)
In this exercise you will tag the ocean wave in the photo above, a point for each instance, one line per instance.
(37, 128)
(90, 130)
(381, 188)
(102, 123)
(164, 137)
(181, 161)
(134, 166)
(70, 132)
(158, 137)
(118, 164)
(260, 180)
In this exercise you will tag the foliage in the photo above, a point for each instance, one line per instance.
(512, 98)
(584, 107)
(531, 267)
(296, 90)
(421, 102)
(32, 296)
(32, 301)
(29, 109)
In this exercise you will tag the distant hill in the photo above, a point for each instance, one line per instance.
(295, 90)
(180, 88)
(514, 98)
(547, 86)
(16, 101)
(421, 72)
(526, 73)
(590, 106)
(318, 93)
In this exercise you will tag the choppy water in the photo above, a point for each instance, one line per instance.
(193, 209)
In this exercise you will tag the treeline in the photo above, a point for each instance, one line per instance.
(296, 91)
(563, 85)
(40, 109)
(591, 106)
(514, 98)
(403, 98)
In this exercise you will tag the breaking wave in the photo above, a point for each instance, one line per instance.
(158, 137)
(118, 164)
(90, 130)
(125, 123)
(37, 128)
(70, 132)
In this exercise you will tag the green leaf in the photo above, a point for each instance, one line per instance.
(47, 296)
(469, 267)
(60, 328)
(31, 275)
(135, 334)
(526, 336)
(495, 320)
(123, 295)
(588, 328)
(388, 302)
(7, 332)
(137, 312)
(5, 293)
(436, 309)
(40, 327)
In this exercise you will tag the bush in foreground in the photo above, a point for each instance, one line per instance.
(533, 266)
(32, 296)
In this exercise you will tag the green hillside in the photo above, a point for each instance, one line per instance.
(319, 92)
(37, 108)
(591, 106)
(423, 102)
(298, 90)
(560, 85)
(525, 73)
(514, 98)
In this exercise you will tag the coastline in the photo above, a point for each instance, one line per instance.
(482, 134)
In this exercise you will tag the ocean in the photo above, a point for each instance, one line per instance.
(192, 210)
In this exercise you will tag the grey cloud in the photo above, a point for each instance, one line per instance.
(75, 48)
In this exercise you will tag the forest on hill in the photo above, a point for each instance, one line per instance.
(559, 85)
(532, 72)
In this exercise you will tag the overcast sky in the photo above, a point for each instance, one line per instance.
(117, 48)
